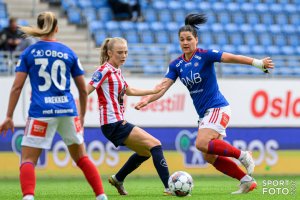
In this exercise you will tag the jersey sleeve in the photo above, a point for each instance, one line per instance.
(77, 68)
(172, 72)
(214, 55)
(22, 65)
(99, 76)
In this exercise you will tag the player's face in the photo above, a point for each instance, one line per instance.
(188, 42)
(118, 55)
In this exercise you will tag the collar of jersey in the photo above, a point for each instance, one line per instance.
(190, 57)
(112, 67)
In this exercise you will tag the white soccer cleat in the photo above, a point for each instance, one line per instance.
(167, 192)
(246, 186)
(118, 185)
(102, 197)
(28, 197)
(248, 162)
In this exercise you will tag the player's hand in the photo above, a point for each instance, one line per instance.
(268, 64)
(144, 102)
(6, 125)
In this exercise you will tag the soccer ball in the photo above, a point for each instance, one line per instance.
(180, 183)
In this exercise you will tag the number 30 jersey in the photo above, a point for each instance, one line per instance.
(50, 65)
(199, 76)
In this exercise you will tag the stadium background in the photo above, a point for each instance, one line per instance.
(266, 108)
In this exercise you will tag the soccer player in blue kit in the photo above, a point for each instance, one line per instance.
(195, 69)
(50, 65)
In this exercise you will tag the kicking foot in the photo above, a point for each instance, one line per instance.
(246, 186)
(167, 192)
(248, 162)
(119, 185)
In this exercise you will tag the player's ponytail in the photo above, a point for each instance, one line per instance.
(192, 23)
(46, 24)
(103, 51)
(106, 45)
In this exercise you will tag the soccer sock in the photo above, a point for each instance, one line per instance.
(91, 174)
(27, 178)
(228, 167)
(132, 163)
(160, 164)
(222, 148)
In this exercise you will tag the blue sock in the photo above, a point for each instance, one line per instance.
(160, 164)
(132, 163)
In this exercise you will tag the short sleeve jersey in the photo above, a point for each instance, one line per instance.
(199, 76)
(111, 88)
(50, 65)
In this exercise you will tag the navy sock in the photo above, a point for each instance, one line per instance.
(160, 164)
(132, 163)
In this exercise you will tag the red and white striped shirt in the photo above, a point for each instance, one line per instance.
(111, 87)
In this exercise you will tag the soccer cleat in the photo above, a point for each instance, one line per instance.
(246, 186)
(167, 192)
(119, 185)
(28, 197)
(102, 197)
(248, 162)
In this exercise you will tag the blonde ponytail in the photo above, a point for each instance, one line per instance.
(106, 45)
(46, 24)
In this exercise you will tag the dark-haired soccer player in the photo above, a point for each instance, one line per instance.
(195, 69)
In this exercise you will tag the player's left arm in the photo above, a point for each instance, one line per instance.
(13, 100)
(130, 91)
(263, 64)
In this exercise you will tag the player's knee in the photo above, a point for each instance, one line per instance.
(201, 145)
(209, 158)
(155, 142)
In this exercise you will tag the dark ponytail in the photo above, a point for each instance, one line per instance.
(192, 23)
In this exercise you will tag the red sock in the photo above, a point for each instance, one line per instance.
(27, 178)
(228, 167)
(222, 148)
(91, 174)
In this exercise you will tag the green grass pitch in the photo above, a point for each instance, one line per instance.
(206, 188)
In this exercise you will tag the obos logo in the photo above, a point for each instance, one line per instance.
(16, 147)
(185, 143)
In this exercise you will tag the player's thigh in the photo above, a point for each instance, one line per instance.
(30, 154)
(140, 141)
(70, 130)
(39, 132)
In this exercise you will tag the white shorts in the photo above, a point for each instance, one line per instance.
(39, 132)
(217, 119)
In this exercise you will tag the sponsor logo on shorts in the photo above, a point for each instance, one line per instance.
(39, 128)
(77, 124)
(224, 120)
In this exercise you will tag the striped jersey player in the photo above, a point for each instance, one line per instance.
(111, 87)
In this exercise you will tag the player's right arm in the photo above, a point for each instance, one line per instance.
(13, 100)
(165, 84)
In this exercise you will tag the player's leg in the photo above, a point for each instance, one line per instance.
(213, 125)
(230, 168)
(72, 135)
(143, 143)
(38, 135)
(29, 158)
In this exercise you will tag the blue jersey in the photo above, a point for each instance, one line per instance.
(199, 76)
(50, 65)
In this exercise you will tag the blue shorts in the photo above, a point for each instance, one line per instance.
(117, 132)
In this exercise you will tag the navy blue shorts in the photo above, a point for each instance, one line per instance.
(117, 132)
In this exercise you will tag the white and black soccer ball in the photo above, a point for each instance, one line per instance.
(181, 183)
